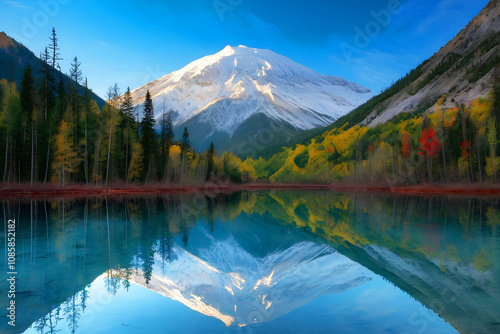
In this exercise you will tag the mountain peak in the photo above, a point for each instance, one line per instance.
(221, 92)
(242, 50)
(236, 47)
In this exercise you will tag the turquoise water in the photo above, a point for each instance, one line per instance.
(256, 262)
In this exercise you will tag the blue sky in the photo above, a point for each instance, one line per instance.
(372, 42)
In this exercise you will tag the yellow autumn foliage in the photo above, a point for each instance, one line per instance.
(480, 111)
(135, 168)
(66, 158)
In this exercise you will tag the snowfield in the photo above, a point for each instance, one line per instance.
(227, 88)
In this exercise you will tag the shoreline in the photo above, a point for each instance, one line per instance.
(73, 191)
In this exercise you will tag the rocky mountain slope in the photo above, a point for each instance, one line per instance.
(464, 69)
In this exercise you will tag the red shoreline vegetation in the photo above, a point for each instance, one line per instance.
(72, 191)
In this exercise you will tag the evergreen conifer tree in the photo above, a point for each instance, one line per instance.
(210, 161)
(166, 138)
(127, 124)
(148, 135)
(27, 105)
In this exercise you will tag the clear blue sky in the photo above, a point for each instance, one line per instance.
(134, 42)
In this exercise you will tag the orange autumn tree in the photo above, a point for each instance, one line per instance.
(429, 147)
(66, 158)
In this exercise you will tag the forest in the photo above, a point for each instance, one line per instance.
(455, 145)
(55, 132)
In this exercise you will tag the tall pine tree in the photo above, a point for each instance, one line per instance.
(148, 135)
(210, 161)
(47, 89)
(166, 138)
(26, 94)
(27, 155)
(54, 56)
(184, 150)
(127, 125)
(76, 75)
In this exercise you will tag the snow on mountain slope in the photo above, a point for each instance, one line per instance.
(237, 288)
(227, 88)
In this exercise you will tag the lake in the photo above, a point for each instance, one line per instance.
(255, 262)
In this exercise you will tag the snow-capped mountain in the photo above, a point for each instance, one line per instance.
(218, 94)
(237, 288)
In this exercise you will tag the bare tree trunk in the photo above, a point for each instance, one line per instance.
(393, 166)
(479, 159)
(165, 172)
(471, 169)
(444, 151)
(63, 175)
(12, 169)
(182, 167)
(463, 140)
(76, 114)
(149, 169)
(429, 169)
(384, 162)
(36, 176)
(48, 155)
(468, 173)
(45, 97)
(109, 149)
(96, 156)
(32, 160)
(126, 154)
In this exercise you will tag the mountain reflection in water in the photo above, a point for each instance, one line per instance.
(257, 262)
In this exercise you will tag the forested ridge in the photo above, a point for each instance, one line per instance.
(53, 130)
(455, 145)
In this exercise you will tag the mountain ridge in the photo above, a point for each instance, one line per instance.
(449, 70)
(387, 105)
(15, 57)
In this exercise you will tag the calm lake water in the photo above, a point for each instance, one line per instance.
(255, 262)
